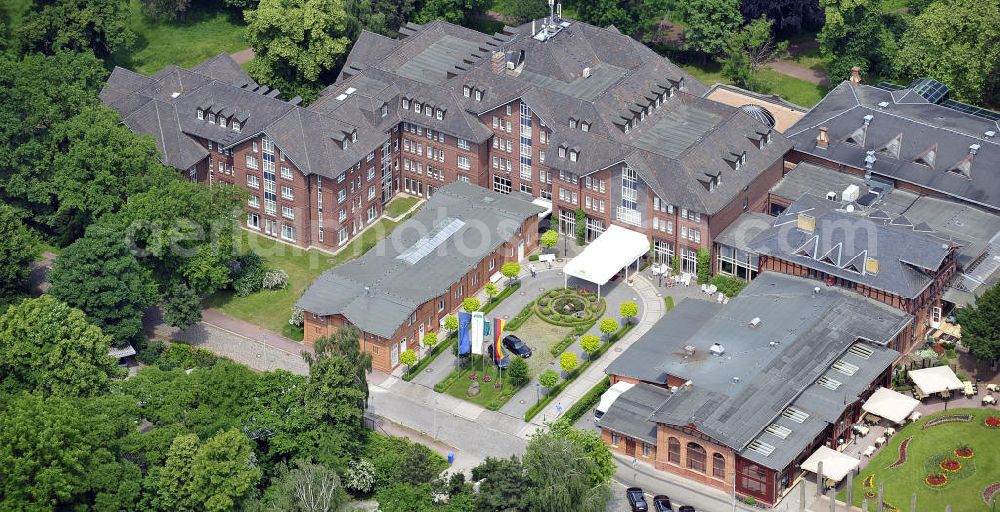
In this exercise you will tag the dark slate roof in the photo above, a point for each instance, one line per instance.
(922, 126)
(675, 149)
(629, 414)
(842, 241)
(811, 333)
(395, 286)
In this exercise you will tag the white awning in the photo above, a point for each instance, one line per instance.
(544, 203)
(120, 352)
(614, 250)
(890, 405)
(836, 465)
(935, 380)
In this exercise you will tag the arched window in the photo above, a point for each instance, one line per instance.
(696, 456)
(719, 466)
(673, 450)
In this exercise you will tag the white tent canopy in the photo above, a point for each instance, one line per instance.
(890, 405)
(836, 465)
(615, 249)
(935, 380)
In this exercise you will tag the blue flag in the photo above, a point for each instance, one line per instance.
(464, 340)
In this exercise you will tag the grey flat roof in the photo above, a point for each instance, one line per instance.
(602, 76)
(808, 178)
(397, 286)
(673, 134)
(811, 332)
(743, 229)
(629, 415)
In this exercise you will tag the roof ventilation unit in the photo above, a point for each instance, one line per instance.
(831, 196)
(990, 134)
(717, 349)
(689, 350)
(851, 193)
(586, 72)
(883, 104)
(868, 119)
(973, 149)
(869, 159)
(755, 322)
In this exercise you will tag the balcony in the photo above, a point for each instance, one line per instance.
(629, 216)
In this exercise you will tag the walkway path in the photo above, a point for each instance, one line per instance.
(243, 56)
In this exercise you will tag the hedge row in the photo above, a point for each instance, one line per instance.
(519, 319)
(587, 402)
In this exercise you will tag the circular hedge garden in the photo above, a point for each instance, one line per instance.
(569, 307)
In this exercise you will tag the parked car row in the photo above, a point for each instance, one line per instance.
(661, 502)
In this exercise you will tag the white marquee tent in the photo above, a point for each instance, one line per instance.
(615, 249)
(935, 380)
(891, 405)
(836, 465)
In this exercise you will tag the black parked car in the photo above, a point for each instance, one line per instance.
(636, 499)
(661, 503)
(686, 508)
(515, 345)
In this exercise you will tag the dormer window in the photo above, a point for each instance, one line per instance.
(572, 123)
(743, 158)
(573, 156)
(585, 127)
(562, 152)
(439, 114)
(384, 111)
(222, 121)
(236, 125)
(406, 104)
(428, 110)
(201, 114)
(479, 95)
(211, 118)
(466, 91)
(416, 106)
(626, 128)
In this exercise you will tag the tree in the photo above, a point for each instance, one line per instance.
(502, 484)
(379, 16)
(306, 487)
(164, 9)
(181, 306)
(298, 43)
(981, 325)
(562, 476)
(491, 291)
(704, 265)
(431, 339)
(548, 379)
(62, 453)
(470, 304)
(214, 476)
(629, 310)
(855, 33)
(98, 275)
(510, 270)
(789, 16)
(590, 442)
(608, 326)
(408, 357)
(568, 361)
(452, 11)
(581, 226)
(710, 25)
(48, 347)
(590, 344)
(748, 50)
(954, 42)
(360, 476)
(451, 323)
(518, 372)
(549, 239)
(18, 249)
(76, 25)
(526, 10)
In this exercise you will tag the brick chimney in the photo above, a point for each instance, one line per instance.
(823, 138)
(855, 75)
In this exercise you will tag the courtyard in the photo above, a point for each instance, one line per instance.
(947, 458)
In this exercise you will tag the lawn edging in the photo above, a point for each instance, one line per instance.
(571, 376)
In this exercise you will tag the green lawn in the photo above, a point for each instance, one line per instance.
(487, 391)
(271, 309)
(792, 89)
(400, 205)
(541, 337)
(964, 488)
(207, 31)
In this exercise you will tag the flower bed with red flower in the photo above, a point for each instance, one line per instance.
(487, 378)
(951, 465)
(964, 452)
(474, 376)
(992, 422)
(989, 491)
(936, 479)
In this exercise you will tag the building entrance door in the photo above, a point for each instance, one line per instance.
(520, 250)
(630, 447)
